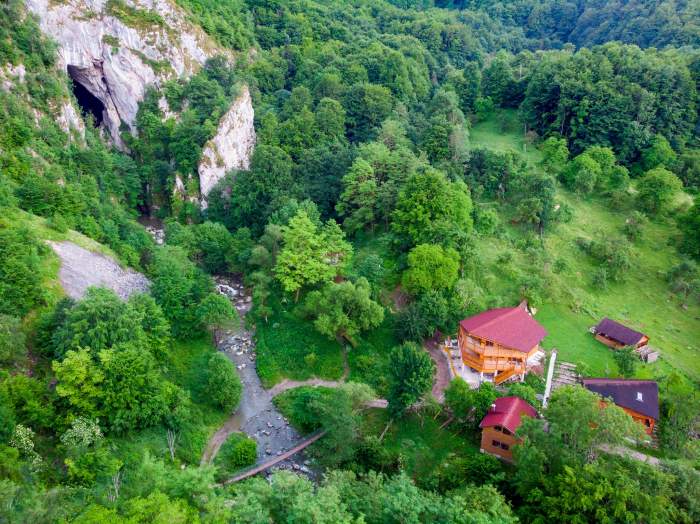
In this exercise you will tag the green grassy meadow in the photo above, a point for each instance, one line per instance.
(288, 346)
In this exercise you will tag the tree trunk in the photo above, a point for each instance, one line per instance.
(447, 422)
(381, 437)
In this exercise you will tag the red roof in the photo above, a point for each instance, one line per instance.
(508, 412)
(511, 327)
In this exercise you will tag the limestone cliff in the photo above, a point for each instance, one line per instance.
(231, 147)
(116, 48)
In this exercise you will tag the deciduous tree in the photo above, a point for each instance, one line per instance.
(410, 377)
(656, 190)
(344, 310)
(430, 267)
(310, 254)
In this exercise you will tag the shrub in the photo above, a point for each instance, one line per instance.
(12, 340)
(57, 223)
(223, 383)
(237, 452)
(20, 270)
(634, 226)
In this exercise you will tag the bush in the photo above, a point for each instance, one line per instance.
(223, 383)
(12, 340)
(57, 223)
(20, 270)
(634, 226)
(299, 405)
(237, 452)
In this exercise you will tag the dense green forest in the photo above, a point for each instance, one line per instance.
(416, 162)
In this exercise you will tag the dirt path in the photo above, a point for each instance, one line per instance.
(232, 425)
(81, 269)
(442, 371)
(630, 453)
(287, 384)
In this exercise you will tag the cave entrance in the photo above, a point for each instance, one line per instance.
(89, 103)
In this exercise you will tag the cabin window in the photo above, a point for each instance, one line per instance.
(505, 431)
(489, 344)
(504, 446)
(498, 428)
(495, 444)
(647, 422)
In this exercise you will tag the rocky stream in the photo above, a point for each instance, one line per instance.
(257, 415)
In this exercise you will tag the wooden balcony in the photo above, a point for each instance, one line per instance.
(488, 350)
(490, 365)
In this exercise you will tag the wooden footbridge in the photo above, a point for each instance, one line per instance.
(259, 468)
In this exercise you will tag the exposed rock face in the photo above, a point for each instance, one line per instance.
(231, 147)
(69, 120)
(10, 74)
(116, 62)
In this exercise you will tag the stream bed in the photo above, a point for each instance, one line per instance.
(257, 415)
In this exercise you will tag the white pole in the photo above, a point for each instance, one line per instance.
(550, 374)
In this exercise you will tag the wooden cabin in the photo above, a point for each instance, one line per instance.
(500, 424)
(499, 342)
(617, 336)
(638, 398)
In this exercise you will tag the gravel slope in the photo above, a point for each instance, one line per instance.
(81, 269)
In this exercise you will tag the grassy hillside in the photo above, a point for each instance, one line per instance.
(644, 301)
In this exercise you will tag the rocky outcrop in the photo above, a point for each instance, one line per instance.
(231, 147)
(69, 120)
(9, 75)
(117, 48)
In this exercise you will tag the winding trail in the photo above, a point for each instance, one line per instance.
(442, 370)
(288, 384)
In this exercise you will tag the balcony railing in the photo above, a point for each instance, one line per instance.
(489, 365)
(486, 350)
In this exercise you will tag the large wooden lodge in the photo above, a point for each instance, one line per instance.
(498, 343)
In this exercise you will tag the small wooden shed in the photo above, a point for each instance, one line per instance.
(615, 335)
